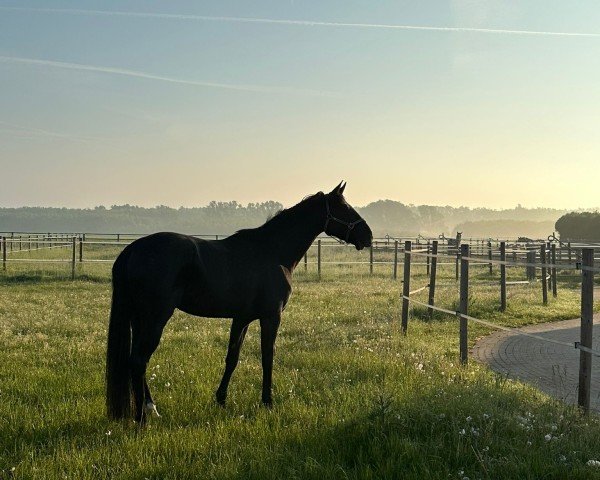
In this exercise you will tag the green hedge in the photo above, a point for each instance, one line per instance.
(579, 226)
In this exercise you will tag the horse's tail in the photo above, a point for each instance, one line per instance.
(118, 376)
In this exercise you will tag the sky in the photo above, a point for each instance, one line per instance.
(458, 102)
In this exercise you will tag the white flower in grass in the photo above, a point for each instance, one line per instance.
(461, 431)
(593, 463)
(547, 437)
(529, 443)
(469, 418)
(562, 458)
(486, 416)
(167, 384)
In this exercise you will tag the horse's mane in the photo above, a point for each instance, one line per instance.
(281, 219)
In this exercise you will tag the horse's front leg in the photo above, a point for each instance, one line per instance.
(236, 338)
(268, 333)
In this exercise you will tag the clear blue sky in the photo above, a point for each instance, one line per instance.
(111, 109)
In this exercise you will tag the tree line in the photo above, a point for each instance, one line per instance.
(384, 216)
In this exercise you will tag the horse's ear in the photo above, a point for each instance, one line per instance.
(339, 189)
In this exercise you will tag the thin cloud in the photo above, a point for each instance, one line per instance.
(14, 128)
(162, 78)
(28, 132)
(305, 23)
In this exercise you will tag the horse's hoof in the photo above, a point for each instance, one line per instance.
(268, 404)
(151, 409)
(221, 398)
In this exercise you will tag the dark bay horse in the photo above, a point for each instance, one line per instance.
(246, 276)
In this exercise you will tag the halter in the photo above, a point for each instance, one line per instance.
(349, 225)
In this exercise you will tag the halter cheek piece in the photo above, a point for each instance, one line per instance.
(349, 225)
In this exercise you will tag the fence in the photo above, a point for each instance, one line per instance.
(548, 273)
(325, 251)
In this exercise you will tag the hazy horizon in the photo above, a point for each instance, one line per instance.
(359, 205)
(456, 102)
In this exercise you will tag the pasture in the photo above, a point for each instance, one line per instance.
(353, 398)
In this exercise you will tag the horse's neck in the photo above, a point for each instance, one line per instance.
(293, 242)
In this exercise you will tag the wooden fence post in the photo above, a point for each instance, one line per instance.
(319, 258)
(73, 249)
(395, 276)
(502, 277)
(464, 302)
(371, 259)
(306, 261)
(428, 260)
(553, 271)
(432, 275)
(406, 285)
(489, 244)
(569, 252)
(80, 249)
(12, 240)
(587, 321)
(544, 274)
(3, 253)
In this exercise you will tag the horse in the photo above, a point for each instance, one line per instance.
(245, 277)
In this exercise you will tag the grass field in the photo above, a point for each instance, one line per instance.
(353, 397)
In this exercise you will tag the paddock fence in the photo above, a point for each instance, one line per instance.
(585, 257)
(385, 255)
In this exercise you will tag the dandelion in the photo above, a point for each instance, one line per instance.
(529, 443)
(109, 433)
(461, 431)
(593, 463)
(554, 428)
(547, 437)
(469, 418)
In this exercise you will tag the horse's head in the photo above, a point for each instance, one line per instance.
(344, 222)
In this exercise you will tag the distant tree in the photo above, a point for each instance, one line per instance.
(579, 226)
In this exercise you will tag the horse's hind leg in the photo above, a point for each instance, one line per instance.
(236, 339)
(146, 337)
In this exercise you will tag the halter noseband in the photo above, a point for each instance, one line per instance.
(349, 225)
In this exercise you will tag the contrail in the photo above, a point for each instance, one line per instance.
(149, 76)
(12, 127)
(305, 23)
